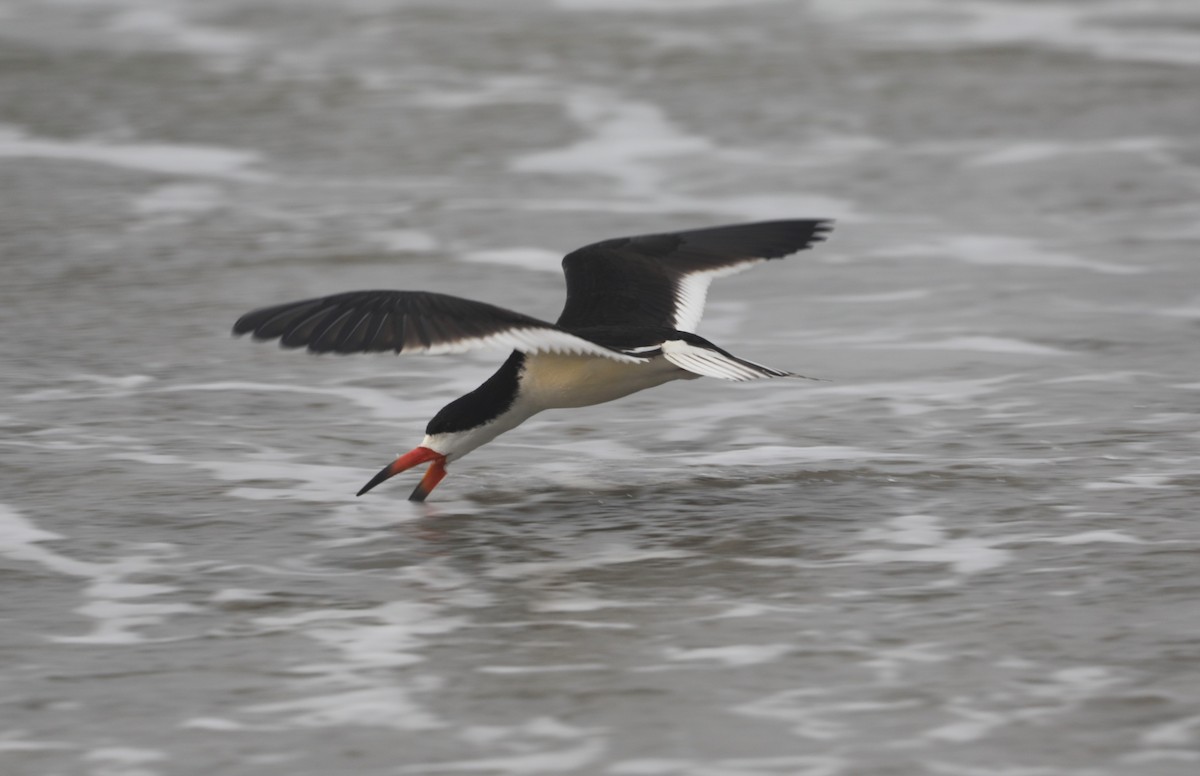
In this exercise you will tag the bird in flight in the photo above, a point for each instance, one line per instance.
(633, 304)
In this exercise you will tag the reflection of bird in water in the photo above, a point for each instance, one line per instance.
(632, 306)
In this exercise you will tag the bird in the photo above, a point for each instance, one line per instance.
(628, 324)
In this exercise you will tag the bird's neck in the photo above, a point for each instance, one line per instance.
(484, 404)
(481, 415)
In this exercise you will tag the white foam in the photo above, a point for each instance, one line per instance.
(905, 295)
(934, 391)
(976, 724)
(555, 762)
(179, 199)
(650, 766)
(1028, 152)
(908, 397)
(214, 723)
(815, 716)
(1076, 682)
(108, 387)
(125, 755)
(116, 619)
(1003, 461)
(1004, 251)
(769, 205)
(635, 145)
(240, 595)
(981, 344)
(606, 556)
(1107, 30)
(160, 26)
(1061, 691)
(379, 403)
(1127, 481)
(481, 91)
(909, 529)
(889, 664)
(965, 556)
(384, 707)
(1124, 376)
(320, 483)
(780, 455)
(624, 138)
(369, 643)
(542, 669)
(750, 609)
(116, 381)
(1177, 732)
(579, 604)
(1092, 537)
(159, 158)
(740, 207)
(650, 6)
(536, 259)
(735, 656)
(9, 744)
(1161, 755)
(1189, 310)
(404, 240)
(796, 765)
(581, 624)
(379, 637)
(538, 727)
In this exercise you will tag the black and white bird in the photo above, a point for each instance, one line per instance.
(632, 307)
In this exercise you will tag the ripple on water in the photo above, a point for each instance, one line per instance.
(110, 600)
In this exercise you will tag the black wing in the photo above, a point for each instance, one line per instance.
(662, 279)
(408, 322)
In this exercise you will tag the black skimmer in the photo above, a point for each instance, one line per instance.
(632, 307)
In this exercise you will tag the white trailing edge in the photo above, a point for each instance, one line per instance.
(529, 340)
(711, 363)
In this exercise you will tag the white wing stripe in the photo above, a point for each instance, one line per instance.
(691, 292)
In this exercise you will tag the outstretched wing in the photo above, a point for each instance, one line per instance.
(409, 322)
(663, 279)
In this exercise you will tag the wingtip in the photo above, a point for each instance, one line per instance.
(245, 324)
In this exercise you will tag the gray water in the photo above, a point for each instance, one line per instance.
(971, 551)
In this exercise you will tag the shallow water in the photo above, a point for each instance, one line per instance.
(970, 551)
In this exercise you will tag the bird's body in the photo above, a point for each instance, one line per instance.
(632, 306)
(547, 381)
(553, 381)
